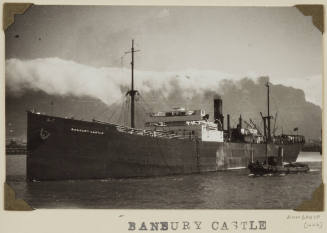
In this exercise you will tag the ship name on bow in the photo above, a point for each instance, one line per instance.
(89, 131)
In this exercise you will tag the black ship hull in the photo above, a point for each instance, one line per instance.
(60, 148)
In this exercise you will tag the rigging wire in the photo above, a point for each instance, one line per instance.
(120, 114)
(124, 115)
(139, 112)
(128, 103)
(111, 116)
(149, 108)
(142, 99)
(113, 112)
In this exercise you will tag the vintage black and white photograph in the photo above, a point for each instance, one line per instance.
(163, 107)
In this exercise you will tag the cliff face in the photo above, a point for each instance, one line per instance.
(245, 97)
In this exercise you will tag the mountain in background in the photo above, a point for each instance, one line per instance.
(245, 97)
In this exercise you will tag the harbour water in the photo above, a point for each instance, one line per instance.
(233, 189)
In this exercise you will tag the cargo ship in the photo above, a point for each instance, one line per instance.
(179, 141)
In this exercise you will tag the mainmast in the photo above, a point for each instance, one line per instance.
(268, 116)
(266, 122)
(266, 119)
(132, 92)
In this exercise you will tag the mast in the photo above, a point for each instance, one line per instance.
(268, 116)
(266, 123)
(132, 92)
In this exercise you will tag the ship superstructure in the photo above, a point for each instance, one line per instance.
(185, 124)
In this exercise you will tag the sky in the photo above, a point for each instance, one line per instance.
(199, 43)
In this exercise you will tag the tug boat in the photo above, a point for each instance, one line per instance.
(275, 166)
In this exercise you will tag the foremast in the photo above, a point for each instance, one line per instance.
(132, 92)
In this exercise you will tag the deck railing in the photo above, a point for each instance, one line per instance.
(159, 134)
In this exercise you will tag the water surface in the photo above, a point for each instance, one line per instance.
(232, 189)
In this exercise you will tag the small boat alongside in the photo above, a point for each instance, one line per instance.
(286, 168)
